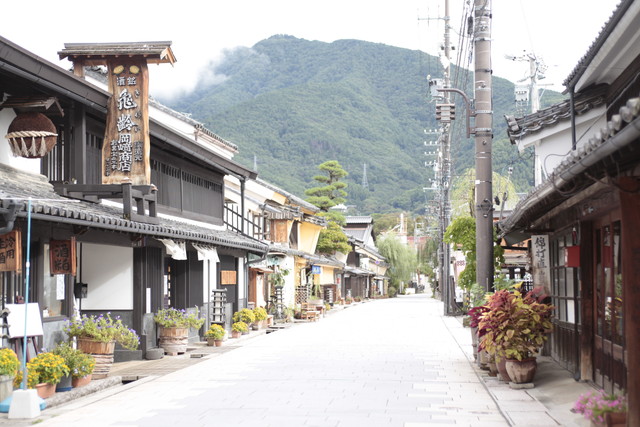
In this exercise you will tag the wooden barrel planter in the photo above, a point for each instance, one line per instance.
(102, 352)
(31, 135)
(173, 340)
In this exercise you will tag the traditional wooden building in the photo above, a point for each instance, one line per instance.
(365, 273)
(582, 217)
(139, 243)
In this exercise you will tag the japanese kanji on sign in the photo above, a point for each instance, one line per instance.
(11, 251)
(125, 152)
(62, 256)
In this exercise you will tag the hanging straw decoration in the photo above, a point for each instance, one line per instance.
(31, 135)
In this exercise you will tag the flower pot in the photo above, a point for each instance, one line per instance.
(612, 419)
(81, 382)
(255, 326)
(102, 352)
(235, 334)
(484, 359)
(64, 384)
(502, 370)
(6, 386)
(218, 343)
(521, 371)
(173, 340)
(474, 342)
(493, 368)
(45, 390)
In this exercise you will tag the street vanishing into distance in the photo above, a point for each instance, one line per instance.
(390, 362)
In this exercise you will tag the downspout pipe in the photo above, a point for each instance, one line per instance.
(572, 106)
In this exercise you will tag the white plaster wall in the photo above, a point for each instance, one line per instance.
(209, 279)
(108, 272)
(242, 284)
(6, 156)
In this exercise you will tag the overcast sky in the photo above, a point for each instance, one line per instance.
(558, 31)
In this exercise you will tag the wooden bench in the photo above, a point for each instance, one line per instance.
(309, 312)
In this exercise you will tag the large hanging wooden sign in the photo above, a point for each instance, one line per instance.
(125, 152)
(62, 256)
(11, 251)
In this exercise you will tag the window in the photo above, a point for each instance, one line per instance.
(54, 290)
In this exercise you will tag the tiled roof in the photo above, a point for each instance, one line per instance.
(519, 127)
(358, 220)
(47, 205)
(595, 158)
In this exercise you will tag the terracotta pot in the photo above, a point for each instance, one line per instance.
(173, 340)
(612, 419)
(521, 371)
(236, 334)
(218, 343)
(102, 352)
(81, 382)
(45, 390)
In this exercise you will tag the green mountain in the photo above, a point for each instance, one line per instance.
(291, 104)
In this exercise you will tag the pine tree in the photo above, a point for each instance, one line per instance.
(331, 193)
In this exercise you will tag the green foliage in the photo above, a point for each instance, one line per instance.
(103, 328)
(245, 315)
(331, 193)
(277, 277)
(260, 313)
(401, 258)
(215, 331)
(516, 325)
(80, 364)
(49, 367)
(240, 326)
(9, 362)
(332, 239)
(293, 103)
(174, 318)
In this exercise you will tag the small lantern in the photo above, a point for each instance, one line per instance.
(31, 135)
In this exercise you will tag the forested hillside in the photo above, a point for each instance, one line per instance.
(291, 104)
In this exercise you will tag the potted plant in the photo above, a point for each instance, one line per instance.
(516, 328)
(97, 335)
(475, 314)
(602, 409)
(174, 329)
(80, 365)
(245, 315)
(238, 328)
(214, 335)
(9, 365)
(261, 316)
(49, 369)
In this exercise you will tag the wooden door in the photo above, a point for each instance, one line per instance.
(609, 366)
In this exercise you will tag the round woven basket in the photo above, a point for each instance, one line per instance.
(31, 135)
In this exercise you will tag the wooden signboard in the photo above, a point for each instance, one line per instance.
(11, 251)
(228, 277)
(62, 256)
(125, 153)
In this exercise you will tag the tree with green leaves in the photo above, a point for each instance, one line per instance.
(402, 259)
(331, 191)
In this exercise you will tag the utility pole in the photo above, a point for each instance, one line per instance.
(448, 294)
(483, 142)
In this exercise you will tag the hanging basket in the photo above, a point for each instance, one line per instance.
(31, 135)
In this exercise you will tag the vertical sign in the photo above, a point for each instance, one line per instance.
(125, 153)
(62, 256)
(540, 261)
(11, 251)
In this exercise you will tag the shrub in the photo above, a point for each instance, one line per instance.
(260, 313)
(103, 328)
(244, 315)
(240, 327)
(174, 318)
(216, 332)
(9, 362)
(80, 364)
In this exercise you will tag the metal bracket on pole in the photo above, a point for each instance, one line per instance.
(467, 103)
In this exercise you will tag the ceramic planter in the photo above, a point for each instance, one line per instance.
(521, 371)
(45, 390)
(173, 340)
(81, 382)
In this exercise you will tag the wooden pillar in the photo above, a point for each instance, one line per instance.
(586, 306)
(630, 206)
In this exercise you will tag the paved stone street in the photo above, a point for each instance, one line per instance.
(395, 362)
(382, 363)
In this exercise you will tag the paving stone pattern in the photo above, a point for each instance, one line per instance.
(395, 362)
